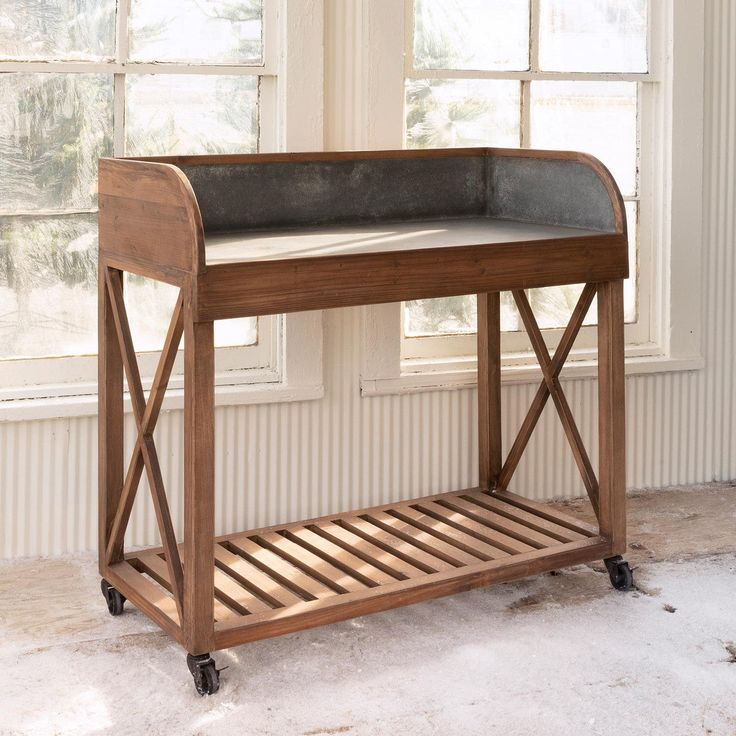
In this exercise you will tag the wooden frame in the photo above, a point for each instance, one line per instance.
(209, 592)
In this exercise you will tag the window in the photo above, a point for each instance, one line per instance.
(547, 74)
(621, 80)
(81, 79)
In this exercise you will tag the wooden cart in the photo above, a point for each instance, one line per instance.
(250, 235)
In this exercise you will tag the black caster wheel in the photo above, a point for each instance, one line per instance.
(206, 675)
(620, 573)
(115, 599)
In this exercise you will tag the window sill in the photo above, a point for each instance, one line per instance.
(56, 407)
(295, 375)
(463, 374)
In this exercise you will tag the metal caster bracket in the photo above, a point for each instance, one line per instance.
(622, 577)
(205, 673)
(114, 598)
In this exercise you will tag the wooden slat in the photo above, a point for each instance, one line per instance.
(127, 351)
(313, 565)
(531, 521)
(542, 512)
(455, 556)
(368, 551)
(253, 578)
(401, 593)
(163, 516)
(286, 573)
(236, 596)
(500, 523)
(159, 571)
(342, 558)
(547, 512)
(474, 528)
(368, 510)
(400, 547)
(458, 538)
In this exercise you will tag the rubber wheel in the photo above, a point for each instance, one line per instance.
(205, 674)
(622, 578)
(114, 598)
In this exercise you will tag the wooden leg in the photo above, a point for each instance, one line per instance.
(489, 389)
(611, 415)
(110, 413)
(199, 484)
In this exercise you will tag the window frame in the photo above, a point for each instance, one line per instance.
(670, 226)
(638, 332)
(286, 362)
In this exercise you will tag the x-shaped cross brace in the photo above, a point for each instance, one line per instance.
(144, 452)
(550, 386)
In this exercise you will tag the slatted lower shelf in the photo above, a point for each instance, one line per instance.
(290, 577)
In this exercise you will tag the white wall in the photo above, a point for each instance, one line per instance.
(284, 461)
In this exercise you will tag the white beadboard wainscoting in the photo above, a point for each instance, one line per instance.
(278, 462)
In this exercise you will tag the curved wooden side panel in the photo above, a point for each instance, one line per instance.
(149, 219)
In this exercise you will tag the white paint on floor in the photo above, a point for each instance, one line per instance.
(562, 654)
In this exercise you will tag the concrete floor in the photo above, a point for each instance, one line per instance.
(555, 654)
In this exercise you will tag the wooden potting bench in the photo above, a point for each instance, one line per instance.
(250, 235)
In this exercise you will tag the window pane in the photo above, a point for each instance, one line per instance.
(48, 293)
(455, 315)
(462, 112)
(631, 285)
(214, 31)
(53, 128)
(239, 331)
(552, 306)
(57, 29)
(452, 113)
(471, 34)
(190, 114)
(594, 117)
(48, 286)
(150, 304)
(174, 114)
(593, 35)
